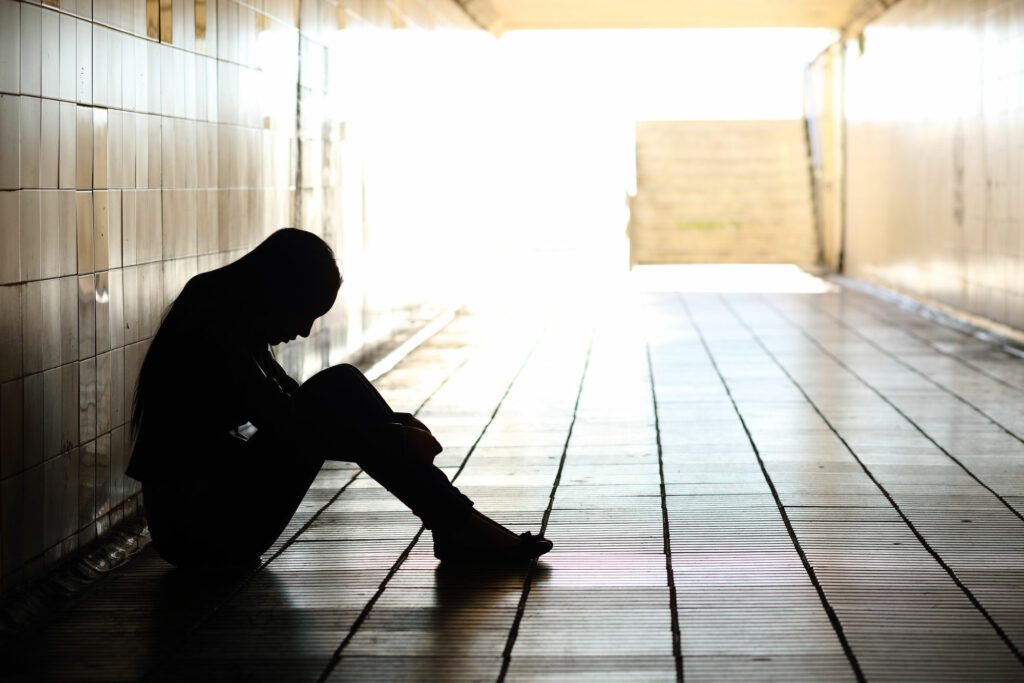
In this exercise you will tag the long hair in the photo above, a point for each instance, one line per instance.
(290, 262)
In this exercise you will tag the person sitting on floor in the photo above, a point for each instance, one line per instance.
(214, 498)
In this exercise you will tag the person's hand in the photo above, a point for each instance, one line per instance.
(421, 443)
(407, 420)
(413, 422)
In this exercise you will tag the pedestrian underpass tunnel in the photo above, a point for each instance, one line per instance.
(467, 157)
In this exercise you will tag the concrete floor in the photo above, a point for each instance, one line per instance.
(782, 486)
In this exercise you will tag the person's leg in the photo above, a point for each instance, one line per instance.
(233, 508)
(343, 417)
(369, 436)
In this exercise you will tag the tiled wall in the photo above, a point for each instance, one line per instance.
(141, 142)
(935, 123)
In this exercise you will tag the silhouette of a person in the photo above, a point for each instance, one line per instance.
(214, 498)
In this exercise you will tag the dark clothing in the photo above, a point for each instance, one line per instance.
(213, 497)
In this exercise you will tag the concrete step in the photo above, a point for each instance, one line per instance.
(722, 191)
(723, 205)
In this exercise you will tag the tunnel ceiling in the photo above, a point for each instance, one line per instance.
(499, 16)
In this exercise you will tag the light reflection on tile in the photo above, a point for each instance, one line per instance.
(86, 316)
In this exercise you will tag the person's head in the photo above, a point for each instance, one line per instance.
(295, 281)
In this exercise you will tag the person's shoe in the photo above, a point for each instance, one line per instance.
(447, 549)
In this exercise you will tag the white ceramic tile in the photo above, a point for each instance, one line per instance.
(69, 324)
(68, 146)
(101, 248)
(142, 123)
(49, 231)
(49, 143)
(102, 315)
(114, 74)
(31, 235)
(103, 392)
(67, 218)
(50, 64)
(10, 236)
(53, 487)
(99, 148)
(128, 230)
(11, 453)
(152, 79)
(83, 148)
(10, 142)
(29, 121)
(31, 49)
(128, 122)
(68, 56)
(153, 156)
(114, 237)
(32, 419)
(128, 78)
(86, 258)
(52, 444)
(87, 390)
(115, 148)
(10, 46)
(41, 326)
(10, 332)
(101, 60)
(83, 62)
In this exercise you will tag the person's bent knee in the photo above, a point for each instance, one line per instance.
(330, 380)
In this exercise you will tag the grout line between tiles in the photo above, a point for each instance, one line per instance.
(506, 655)
(829, 610)
(673, 600)
(906, 520)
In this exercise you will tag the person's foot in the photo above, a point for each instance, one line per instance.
(481, 539)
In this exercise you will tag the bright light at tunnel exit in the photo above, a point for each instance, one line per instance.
(518, 152)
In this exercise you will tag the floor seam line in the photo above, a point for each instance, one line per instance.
(506, 655)
(673, 599)
(906, 417)
(364, 614)
(830, 612)
(892, 501)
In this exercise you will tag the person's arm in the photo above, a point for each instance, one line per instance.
(409, 420)
(258, 394)
(278, 374)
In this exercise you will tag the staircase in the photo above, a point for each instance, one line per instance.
(722, 192)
